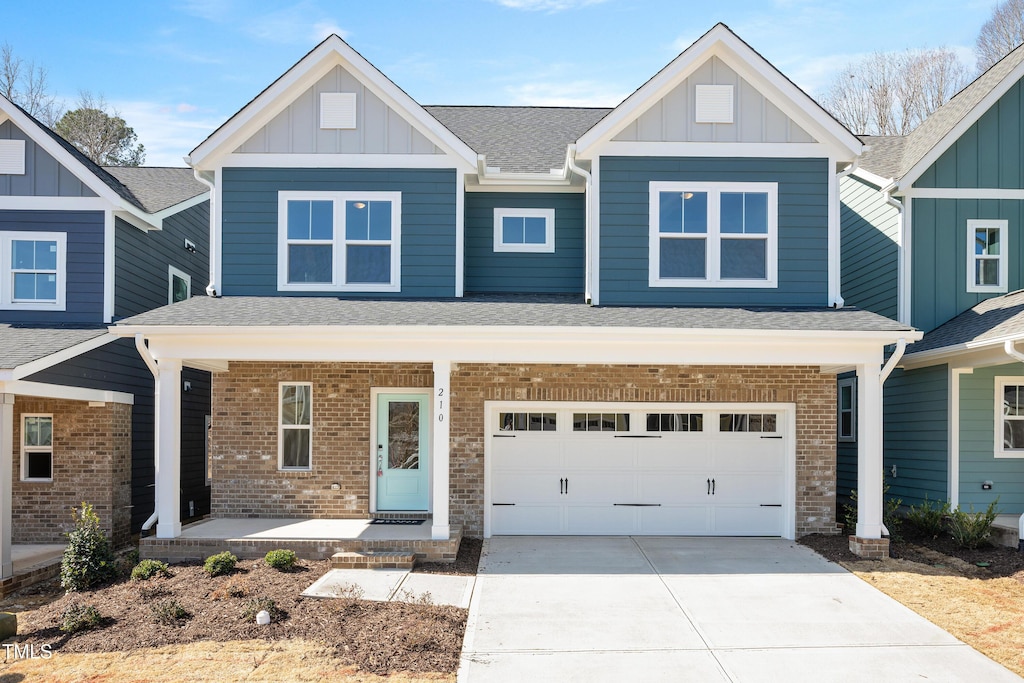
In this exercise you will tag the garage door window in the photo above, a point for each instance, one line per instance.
(528, 422)
(600, 422)
(675, 422)
(748, 422)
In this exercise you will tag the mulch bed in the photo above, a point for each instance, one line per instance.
(379, 637)
(916, 547)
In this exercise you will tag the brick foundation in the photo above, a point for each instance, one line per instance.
(869, 548)
(92, 450)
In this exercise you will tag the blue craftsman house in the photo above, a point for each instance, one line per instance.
(81, 246)
(932, 235)
(521, 320)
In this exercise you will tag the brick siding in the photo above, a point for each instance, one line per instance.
(92, 450)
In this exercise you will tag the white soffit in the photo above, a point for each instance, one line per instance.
(12, 157)
(338, 110)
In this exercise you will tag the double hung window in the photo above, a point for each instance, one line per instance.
(1009, 436)
(33, 267)
(37, 448)
(295, 427)
(986, 256)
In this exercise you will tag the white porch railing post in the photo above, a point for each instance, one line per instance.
(869, 451)
(168, 448)
(441, 414)
(6, 485)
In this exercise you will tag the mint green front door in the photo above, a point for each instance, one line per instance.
(403, 452)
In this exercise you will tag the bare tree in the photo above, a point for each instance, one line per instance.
(99, 132)
(25, 85)
(1000, 34)
(890, 93)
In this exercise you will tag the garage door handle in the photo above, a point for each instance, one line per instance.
(638, 436)
(561, 486)
(508, 504)
(709, 486)
(504, 436)
(771, 437)
(636, 505)
(712, 487)
(771, 505)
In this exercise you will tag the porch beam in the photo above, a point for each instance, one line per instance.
(6, 488)
(168, 448)
(440, 529)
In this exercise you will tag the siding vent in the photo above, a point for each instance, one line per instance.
(12, 157)
(338, 110)
(714, 104)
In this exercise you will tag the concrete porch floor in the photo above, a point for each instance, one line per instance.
(306, 529)
(28, 555)
(1006, 530)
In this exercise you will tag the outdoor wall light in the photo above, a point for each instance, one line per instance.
(190, 246)
(186, 386)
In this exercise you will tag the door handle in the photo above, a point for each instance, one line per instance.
(712, 487)
(709, 486)
(567, 486)
(561, 486)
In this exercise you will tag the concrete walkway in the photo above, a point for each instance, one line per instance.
(694, 609)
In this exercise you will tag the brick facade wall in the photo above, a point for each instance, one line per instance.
(92, 454)
(247, 482)
(246, 478)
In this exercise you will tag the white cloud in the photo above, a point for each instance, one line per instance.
(580, 93)
(547, 5)
(294, 24)
(168, 130)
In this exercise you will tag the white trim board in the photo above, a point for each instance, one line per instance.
(961, 193)
(58, 357)
(41, 390)
(239, 160)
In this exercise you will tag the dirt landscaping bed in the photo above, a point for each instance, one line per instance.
(976, 595)
(375, 637)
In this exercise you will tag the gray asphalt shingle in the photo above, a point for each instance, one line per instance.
(992, 319)
(157, 188)
(20, 344)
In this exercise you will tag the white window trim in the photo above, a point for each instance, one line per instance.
(997, 445)
(972, 225)
(852, 383)
(548, 245)
(7, 302)
(281, 427)
(207, 461)
(337, 283)
(713, 235)
(171, 273)
(25, 450)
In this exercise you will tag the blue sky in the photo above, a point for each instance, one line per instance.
(178, 69)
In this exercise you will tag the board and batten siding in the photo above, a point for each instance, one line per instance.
(44, 176)
(869, 247)
(977, 445)
(802, 229)
(915, 434)
(249, 219)
(117, 367)
(141, 259)
(558, 272)
(939, 255)
(989, 154)
(84, 294)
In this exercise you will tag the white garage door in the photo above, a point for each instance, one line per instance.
(681, 471)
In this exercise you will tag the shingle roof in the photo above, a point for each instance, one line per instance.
(884, 156)
(20, 344)
(990, 321)
(158, 188)
(497, 310)
(519, 139)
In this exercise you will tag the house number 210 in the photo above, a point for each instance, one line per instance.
(440, 404)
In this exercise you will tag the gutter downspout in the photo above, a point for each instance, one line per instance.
(838, 301)
(890, 365)
(588, 257)
(211, 289)
(147, 358)
(1012, 352)
(900, 277)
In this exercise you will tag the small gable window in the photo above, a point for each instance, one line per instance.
(179, 285)
(986, 256)
(33, 269)
(529, 230)
(339, 241)
(12, 157)
(714, 104)
(337, 110)
(713, 234)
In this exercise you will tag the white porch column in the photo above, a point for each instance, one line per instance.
(440, 529)
(168, 448)
(869, 452)
(6, 492)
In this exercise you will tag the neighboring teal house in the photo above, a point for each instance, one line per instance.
(933, 234)
(522, 320)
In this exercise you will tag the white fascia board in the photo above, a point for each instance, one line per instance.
(54, 203)
(969, 119)
(137, 219)
(969, 355)
(789, 150)
(49, 361)
(240, 160)
(963, 193)
(179, 207)
(870, 177)
(41, 390)
(330, 53)
(723, 43)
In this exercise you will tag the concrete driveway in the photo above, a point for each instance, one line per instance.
(694, 609)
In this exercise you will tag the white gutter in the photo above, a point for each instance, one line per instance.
(211, 289)
(148, 359)
(835, 241)
(588, 257)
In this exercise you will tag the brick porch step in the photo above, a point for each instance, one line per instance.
(373, 560)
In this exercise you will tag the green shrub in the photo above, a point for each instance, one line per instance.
(257, 605)
(77, 618)
(929, 517)
(169, 613)
(221, 563)
(147, 569)
(971, 529)
(282, 560)
(88, 559)
(890, 513)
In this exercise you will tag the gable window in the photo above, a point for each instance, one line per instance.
(339, 241)
(179, 285)
(37, 448)
(846, 409)
(529, 230)
(713, 234)
(986, 256)
(33, 267)
(295, 426)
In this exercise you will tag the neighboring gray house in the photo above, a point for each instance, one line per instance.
(80, 247)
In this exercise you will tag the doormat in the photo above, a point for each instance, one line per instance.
(397, 521)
